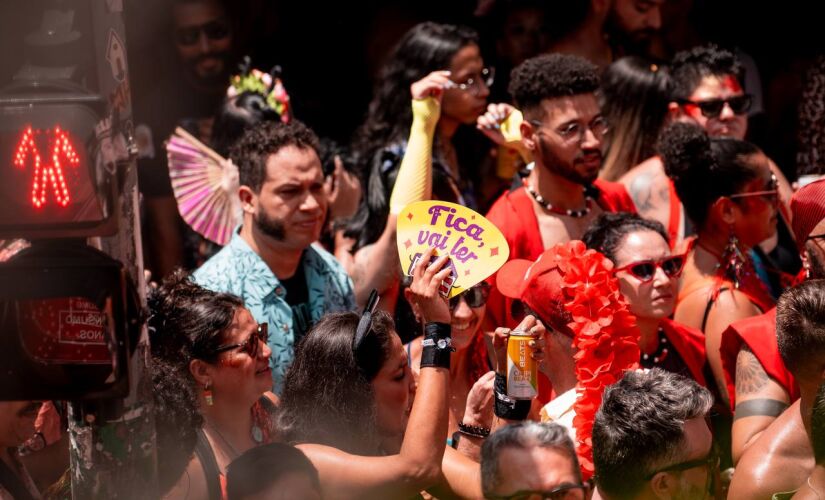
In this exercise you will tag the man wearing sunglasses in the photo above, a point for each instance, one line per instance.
(651, 439)
(527, 461)
(705, 89)
(188, 94)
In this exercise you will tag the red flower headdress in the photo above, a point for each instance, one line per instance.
(574, 289)
(605, 335)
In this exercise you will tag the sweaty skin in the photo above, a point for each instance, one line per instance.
(780, 460)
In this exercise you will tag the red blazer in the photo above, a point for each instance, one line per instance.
(759, 334)
(513, 214)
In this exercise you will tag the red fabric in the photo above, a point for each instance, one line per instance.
(690, 344)
(675, 214)
(808, 208)
(759, 334)
(515, 217)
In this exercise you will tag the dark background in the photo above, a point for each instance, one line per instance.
(330, 51)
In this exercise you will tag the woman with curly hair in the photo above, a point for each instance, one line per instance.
(731, 196)
(211, 377)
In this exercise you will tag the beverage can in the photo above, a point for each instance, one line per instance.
(522, 372)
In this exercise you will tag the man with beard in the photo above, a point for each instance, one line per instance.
(563, 130)
(271, 262)
(631, 25)
(189, 96)
(16, 427)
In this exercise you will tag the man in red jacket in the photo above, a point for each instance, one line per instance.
(563, 130)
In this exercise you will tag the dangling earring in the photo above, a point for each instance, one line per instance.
(733, 260)
(207, 395)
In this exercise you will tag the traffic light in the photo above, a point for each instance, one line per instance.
(68, 312)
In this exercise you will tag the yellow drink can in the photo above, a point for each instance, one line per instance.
(522, 372)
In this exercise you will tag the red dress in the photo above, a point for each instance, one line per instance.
(514, 215)
(759, 334)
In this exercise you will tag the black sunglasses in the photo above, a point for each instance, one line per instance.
(645, 270)
(712, 108)
(251, 345)
(563, 492)
(365, 323)
(214, 30)
(711, 461)
(474, 297)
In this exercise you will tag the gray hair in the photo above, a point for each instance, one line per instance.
(640, 426)
(522, 435)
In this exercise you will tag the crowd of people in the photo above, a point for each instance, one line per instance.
(670, 276)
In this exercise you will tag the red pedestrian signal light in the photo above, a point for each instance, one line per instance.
(49, 176)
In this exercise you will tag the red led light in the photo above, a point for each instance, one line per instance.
(50, 174)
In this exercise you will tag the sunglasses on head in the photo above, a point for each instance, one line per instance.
(214, 30)
(474, 297)
(712, 108)
(251, 345)
(645, 270)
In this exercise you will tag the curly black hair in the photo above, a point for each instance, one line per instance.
(606, 232)
(187, 322)
(236, 115)
(704, 169)
(549, 76)
(258, 143)
(690, 66)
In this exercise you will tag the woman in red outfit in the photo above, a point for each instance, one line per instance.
(730, 195)
(648, 276)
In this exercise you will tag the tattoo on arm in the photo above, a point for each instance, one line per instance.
(759, 408)
(642, 194)
(750, 376)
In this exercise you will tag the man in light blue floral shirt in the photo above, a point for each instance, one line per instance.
(271, 262)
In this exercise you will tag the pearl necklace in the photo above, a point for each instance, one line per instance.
(588, 202)
(661, 352)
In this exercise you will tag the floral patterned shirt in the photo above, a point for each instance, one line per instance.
(237, 269)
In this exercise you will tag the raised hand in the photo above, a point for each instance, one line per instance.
(502, 335)
(432, 85)
(424, 289)
(490, 122)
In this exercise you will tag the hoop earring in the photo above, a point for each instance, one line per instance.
(733, 260)
(207, 395)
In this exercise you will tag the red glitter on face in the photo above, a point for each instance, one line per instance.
(732, 84)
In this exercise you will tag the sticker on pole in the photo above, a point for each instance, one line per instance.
(475, 246)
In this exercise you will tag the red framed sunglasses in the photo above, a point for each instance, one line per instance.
(645, 270)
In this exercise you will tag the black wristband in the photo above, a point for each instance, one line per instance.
(472, 430)
(437, 346)
(507, 407)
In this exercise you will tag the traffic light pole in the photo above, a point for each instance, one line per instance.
(112, 442)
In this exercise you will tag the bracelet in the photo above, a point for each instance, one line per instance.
(506, 407)
(437, 346)
(472, 430)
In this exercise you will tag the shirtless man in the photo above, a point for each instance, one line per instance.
(782, 458)
(563, 131)
(759, 383)
(706, 90)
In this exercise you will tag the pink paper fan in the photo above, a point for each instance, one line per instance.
(205, 187)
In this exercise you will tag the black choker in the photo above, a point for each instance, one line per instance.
(651, 360)
(588, 201)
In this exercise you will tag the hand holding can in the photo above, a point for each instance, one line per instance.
(518, 355)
